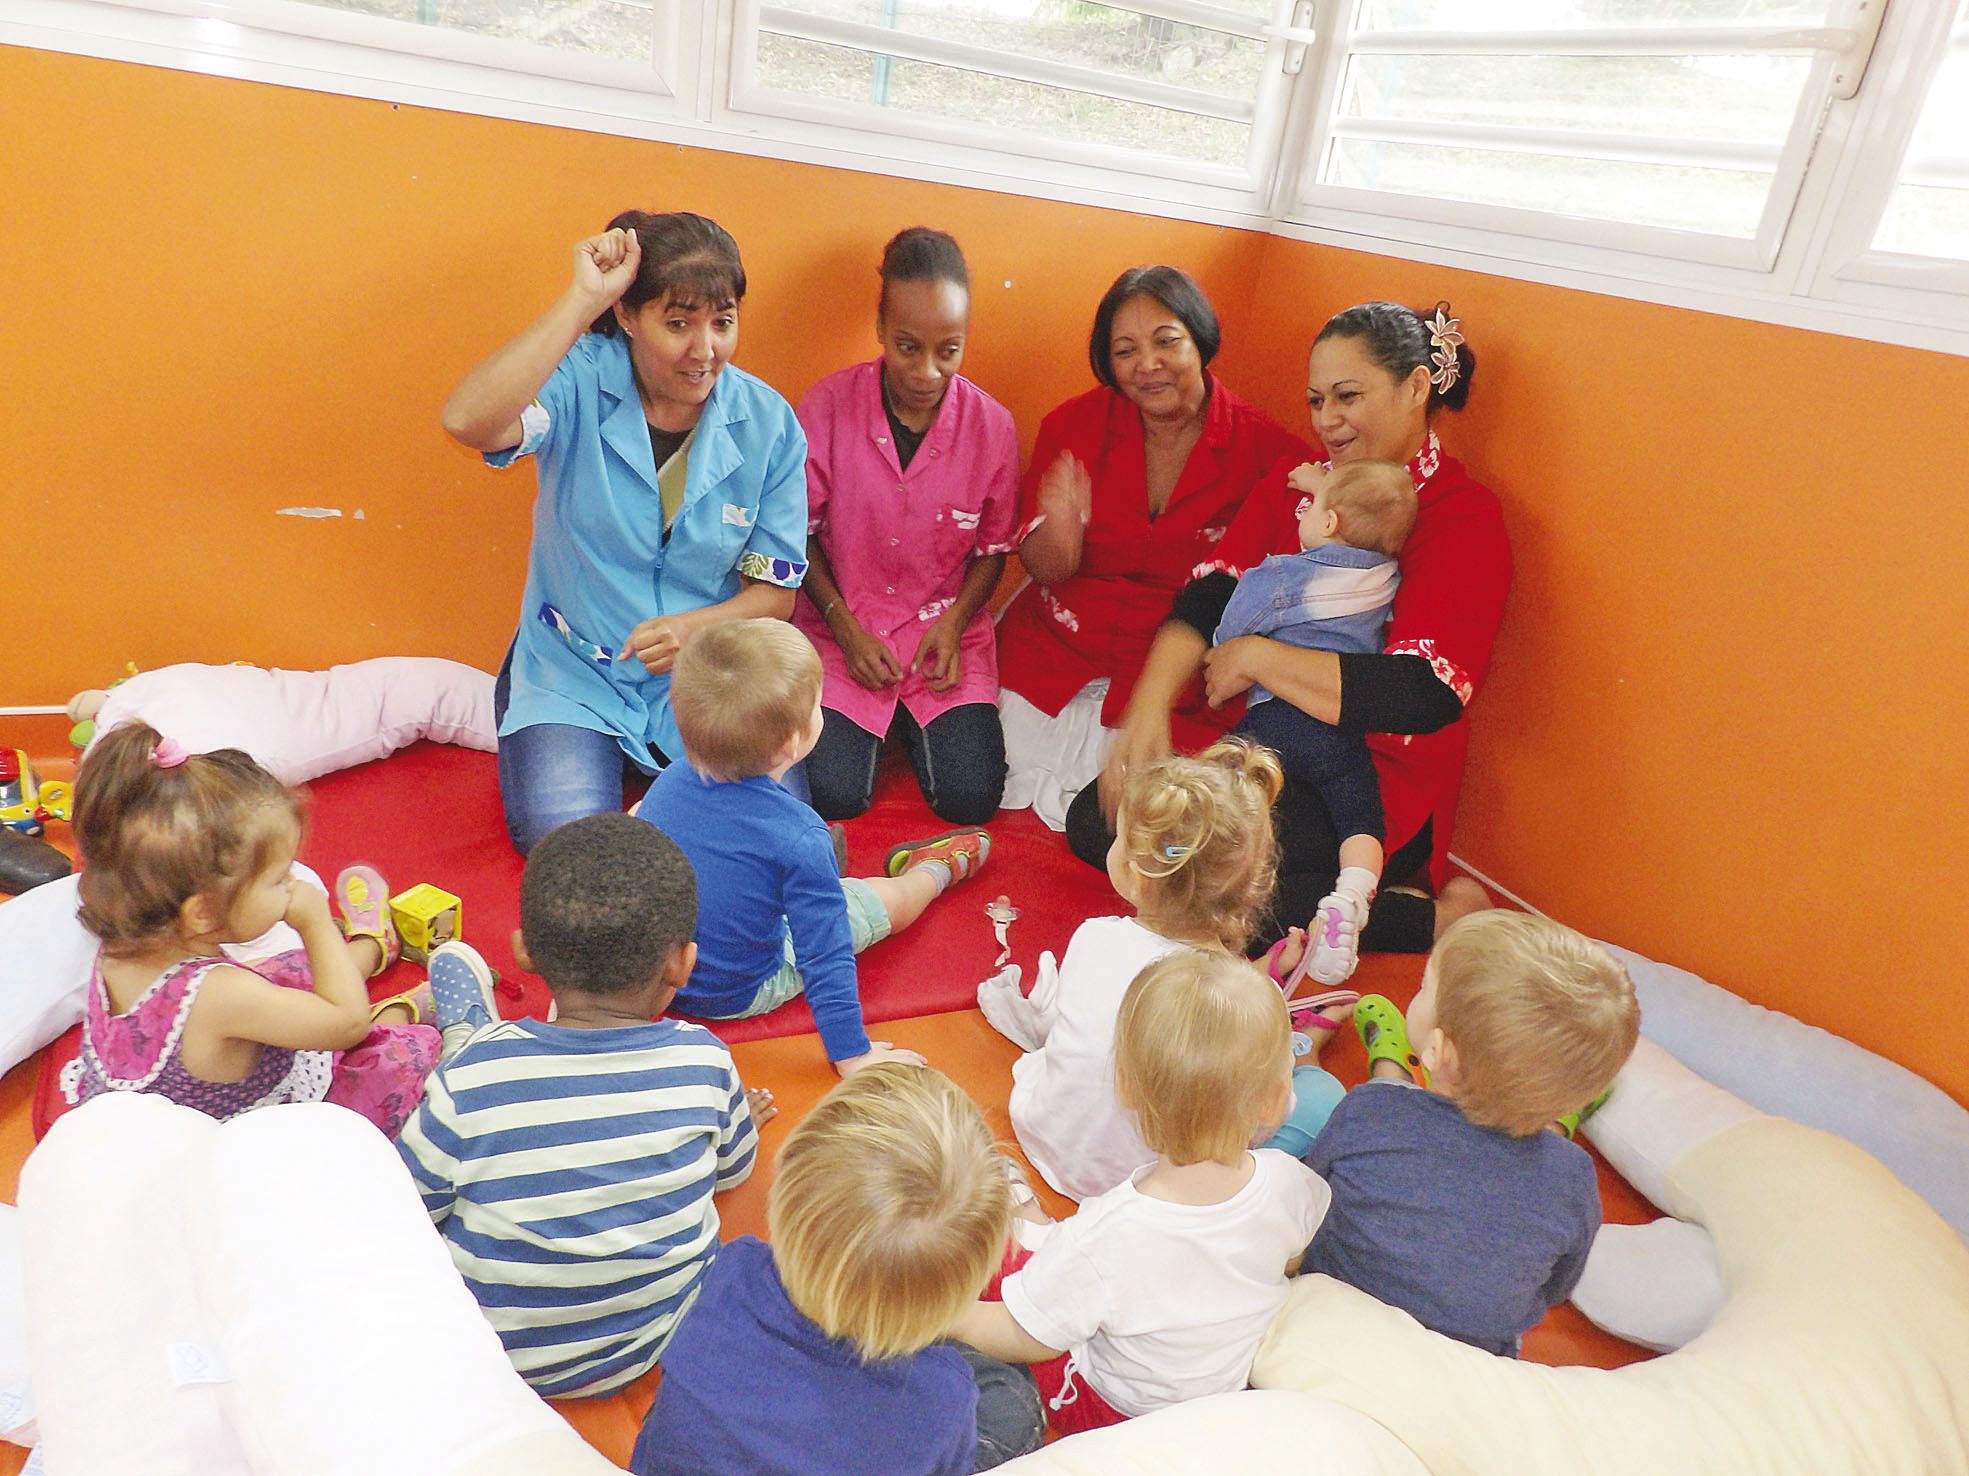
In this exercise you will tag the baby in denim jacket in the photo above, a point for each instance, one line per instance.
(1333, 595)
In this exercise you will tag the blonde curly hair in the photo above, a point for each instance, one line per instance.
(1198, 832)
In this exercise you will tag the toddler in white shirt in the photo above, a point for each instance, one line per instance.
(1160, 1289)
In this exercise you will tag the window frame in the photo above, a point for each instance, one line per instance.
(1851, 269)
(1823, 276)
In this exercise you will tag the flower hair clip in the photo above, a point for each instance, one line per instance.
(168, 754)
(1445, 338)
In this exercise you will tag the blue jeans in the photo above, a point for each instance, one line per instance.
(959, 760)
(552, 773)
(1334, 763)
(1010, 1420)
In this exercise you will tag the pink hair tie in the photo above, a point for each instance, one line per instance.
(168, 754)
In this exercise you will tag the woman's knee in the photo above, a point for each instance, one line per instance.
(1088, 833)
(551, 774)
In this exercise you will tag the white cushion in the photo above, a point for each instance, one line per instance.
(1254, 1433)
(301, 724)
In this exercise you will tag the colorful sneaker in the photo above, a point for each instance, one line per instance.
(963, 851)
(1384, 1032)
(1335, 939)
(462, 987)
(363, 899)
(1569, 1124)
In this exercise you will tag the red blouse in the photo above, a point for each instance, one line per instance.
(1101, 619)
(1456, 569)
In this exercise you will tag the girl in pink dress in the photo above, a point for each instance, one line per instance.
(912, 492)
(187, 854)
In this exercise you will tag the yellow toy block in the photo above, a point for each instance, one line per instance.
(425, 917)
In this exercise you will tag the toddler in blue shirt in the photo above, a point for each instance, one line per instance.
(1460, 1202)
(1333, 595)
(817, 1355)
(778, 917)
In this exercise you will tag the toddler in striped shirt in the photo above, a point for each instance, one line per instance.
(571, 1167)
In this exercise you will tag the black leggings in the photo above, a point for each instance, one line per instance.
(1309, 864)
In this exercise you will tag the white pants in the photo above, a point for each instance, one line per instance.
(1049, 760)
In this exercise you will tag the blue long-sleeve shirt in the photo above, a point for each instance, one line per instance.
(765, 871)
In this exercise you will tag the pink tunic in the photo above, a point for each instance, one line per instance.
(900, 541)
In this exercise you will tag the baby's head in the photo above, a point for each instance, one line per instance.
(1522, 1020)
(193, 844)
(1363, 504)
(889, 1210)
(746, 695)
(1203, 1056)
(1193, 846)
(608, 906)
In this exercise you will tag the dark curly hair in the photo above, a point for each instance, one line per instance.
(604, 903)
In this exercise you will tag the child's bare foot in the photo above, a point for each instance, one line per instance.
(760, 1100)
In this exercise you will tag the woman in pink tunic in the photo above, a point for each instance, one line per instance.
(912, 492)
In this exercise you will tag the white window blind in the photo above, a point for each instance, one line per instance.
(1682, 118)
(1164, 85)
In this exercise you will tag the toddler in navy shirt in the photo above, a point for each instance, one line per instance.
(818, 1355)
(1456, 1201)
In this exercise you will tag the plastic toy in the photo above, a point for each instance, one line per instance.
(26, 804)
(1002, 914)
(425, 917)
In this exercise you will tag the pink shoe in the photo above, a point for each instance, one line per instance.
(363, 899)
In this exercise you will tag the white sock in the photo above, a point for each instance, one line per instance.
(1357, 882)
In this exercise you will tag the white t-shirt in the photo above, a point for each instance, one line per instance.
(1063, 1105)
(1160, 1302)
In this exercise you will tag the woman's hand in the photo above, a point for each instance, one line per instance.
(870, 661)
(655, 643)
(1066, 492)
(1144, 739)
(940, 654)
(605, 265)
(1232, 668)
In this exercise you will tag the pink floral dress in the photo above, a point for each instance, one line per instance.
(382, 1078)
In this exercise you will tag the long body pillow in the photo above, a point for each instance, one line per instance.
(301, 724)
(262, 1296)
(1790, 1069)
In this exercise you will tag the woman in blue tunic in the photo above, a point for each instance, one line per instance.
(673, 495)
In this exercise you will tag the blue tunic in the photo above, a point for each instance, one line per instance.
(600, 562)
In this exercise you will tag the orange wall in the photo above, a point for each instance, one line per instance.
(1726, 727)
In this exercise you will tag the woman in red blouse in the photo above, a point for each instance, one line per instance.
(1130, 487)
(1377, 374)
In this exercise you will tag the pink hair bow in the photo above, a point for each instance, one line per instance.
(168, 754)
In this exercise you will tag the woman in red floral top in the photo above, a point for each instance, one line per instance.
(1131, 485)
(1377, 374)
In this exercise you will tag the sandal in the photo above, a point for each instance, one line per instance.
(363, 899)
(1310, 1013)
(1384, 1031)
(1306, 1009)
(1569, 1123)
(418, 1001)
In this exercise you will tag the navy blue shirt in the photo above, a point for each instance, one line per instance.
(1467, 1229)
(765, 868)
(750, 1385)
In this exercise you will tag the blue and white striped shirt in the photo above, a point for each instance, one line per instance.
(571, 1174)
